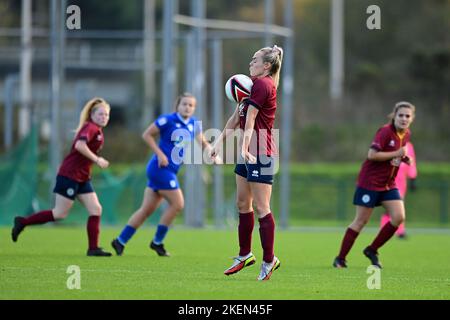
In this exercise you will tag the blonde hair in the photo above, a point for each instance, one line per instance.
(89, 108)
(398, 105)
(274, 56)
(180, 97)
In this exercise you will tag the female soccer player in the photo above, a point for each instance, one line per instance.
(405, 172)
(254, 173)
(176, 130)
(74, 177)
(376, 184)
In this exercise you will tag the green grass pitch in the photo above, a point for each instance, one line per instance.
(36, 267)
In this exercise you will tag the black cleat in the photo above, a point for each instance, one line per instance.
(17, 228)
(118, 247)
(373, 257)
(159, 248)
(98, 252)
(402, 236)
(339, 263)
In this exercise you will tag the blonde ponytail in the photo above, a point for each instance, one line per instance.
(274, 56)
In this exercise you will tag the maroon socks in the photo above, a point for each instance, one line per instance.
(93, 230)
(38, 218)
(347, 243)
(384, 235)
(267, 235)
(245, 229)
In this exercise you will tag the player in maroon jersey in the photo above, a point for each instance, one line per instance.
(376, 184)
(74, 177)
(254, 173)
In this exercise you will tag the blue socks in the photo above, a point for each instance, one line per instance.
(126, 234)
(160, 234)
(129, 231)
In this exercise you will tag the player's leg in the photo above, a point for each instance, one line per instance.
(175, 201)
(244, 200)
(397, 211)
(150, 202)
(261, 199)
(361, 218)
(60, 211)
(394, 205)
(92, 204)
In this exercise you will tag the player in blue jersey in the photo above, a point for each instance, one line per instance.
(175, 130)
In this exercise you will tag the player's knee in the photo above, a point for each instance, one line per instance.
(96, 210)
(178, 206)
(398, 219)
(60, 214)
(243, 205)
(262, 209)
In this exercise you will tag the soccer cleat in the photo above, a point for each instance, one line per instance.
(240, 262)
(17, 228)
(159, 248)
(118, 247)
(373, 257)
(402, 236)
(339, 263)
(98, 252)
(268, 268)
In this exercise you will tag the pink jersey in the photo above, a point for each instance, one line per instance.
(406, 171)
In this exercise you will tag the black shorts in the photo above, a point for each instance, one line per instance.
(262, 171)
(69, 188)
(371, 199)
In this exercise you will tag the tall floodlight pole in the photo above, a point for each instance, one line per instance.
(286, 115)
(337, 50)
(55, 97)
(189, 177)
(169, 72)
(148, 111)
(268, 21)
(25, 69)
(199, 11)
(217, 123)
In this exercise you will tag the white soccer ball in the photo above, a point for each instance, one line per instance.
(238, 87)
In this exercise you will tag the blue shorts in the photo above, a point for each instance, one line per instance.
(161, 178)
(262, 171)
(69, 188)
(371, 199)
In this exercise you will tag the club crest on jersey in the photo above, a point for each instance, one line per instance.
(190, 127)
(99, 137)
(392, 143)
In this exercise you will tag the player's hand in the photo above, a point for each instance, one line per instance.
(402, 152)
(162, 161)
(102, 163)
(407, 160)
(248, 157)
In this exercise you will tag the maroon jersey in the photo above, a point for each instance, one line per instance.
(263, 97)
(380, 175)
(76, 166)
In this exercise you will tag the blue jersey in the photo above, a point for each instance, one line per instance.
(175, 134)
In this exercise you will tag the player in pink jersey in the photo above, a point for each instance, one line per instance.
(405, 172)
(255, 170)
(376, 184)
(74, 177)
